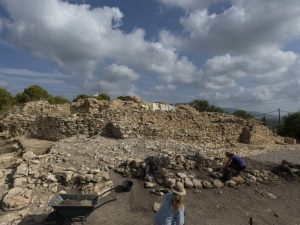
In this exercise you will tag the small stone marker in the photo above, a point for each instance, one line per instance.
(156, 206)
(272, 196)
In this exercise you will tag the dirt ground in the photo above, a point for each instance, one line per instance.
(210, 207)
(277, 203)
(225, 206)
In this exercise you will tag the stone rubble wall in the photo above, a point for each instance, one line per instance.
(34, 179)
(128, 119)
(82, 165)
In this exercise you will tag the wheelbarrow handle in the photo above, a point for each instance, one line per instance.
(107, 191)
(103, 203)
(112, 198)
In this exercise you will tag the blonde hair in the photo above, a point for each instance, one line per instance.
(177, 201)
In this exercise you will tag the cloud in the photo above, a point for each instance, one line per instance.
(12, 72)
(118, 80)
(4, 84)
(189, 4)
(169, 40)
(1, 25)
(243, 27)
(260, 76)
(269, 65)
(15, 80)
(113, 88)
(65, 32)
(120, 72)
(248, 63)
(243, 46)
(80, 38)
(164, 88)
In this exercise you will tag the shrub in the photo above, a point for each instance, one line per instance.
(204, 106)
(103, 96)
(242, 114)
(57, 100)
(291, 125)
(32, 93)
(81, 96)
(6, 100)
(264, 120)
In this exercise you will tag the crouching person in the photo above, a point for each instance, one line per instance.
(171, 211)
(233, 167)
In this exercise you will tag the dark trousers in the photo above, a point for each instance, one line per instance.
(232, 171)
(237, 168)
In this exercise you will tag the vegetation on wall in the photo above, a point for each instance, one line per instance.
(291, 125)
(31, 93)
(101, 96)
(6, 100)
(204, 106)
(243, 114)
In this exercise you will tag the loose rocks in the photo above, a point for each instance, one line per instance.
(16, 198)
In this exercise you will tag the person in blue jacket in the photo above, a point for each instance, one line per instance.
(234, 166)
(171, 211)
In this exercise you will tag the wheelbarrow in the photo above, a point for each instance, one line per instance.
(76, 207)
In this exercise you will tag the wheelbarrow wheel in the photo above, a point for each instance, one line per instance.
(55, 218)
(81, 220)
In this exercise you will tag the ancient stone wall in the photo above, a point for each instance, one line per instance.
(258, 135)
(124, 119)
(41, 108)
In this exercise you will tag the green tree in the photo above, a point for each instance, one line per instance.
(81, 96)
(264, 121)
(57, 100)
(32, 93)
(291, 125)
(103, 96)
(216, 109)
(6, 100)
(204, 106)
(200, 105)
(242, 114)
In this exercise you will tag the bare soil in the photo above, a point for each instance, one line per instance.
(275, 203)
(225, 206)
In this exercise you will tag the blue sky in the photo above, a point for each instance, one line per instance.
(229, 52)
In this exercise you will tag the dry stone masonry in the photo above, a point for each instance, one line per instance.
(129, 117)
(28, 184)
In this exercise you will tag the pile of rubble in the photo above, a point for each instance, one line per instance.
(83, 164)
(288, 169)
(131, 118)
(28, 184)
(194, 171)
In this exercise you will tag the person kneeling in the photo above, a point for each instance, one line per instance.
(233, 167)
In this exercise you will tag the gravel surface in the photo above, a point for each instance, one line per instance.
(276, 157)
(276, 203)
(210, 207)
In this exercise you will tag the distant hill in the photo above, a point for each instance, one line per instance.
(229, 110)
(257, 115)
(272, 120)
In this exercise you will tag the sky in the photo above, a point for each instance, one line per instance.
(232, 53)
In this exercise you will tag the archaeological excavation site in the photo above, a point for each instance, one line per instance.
(101, 148)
